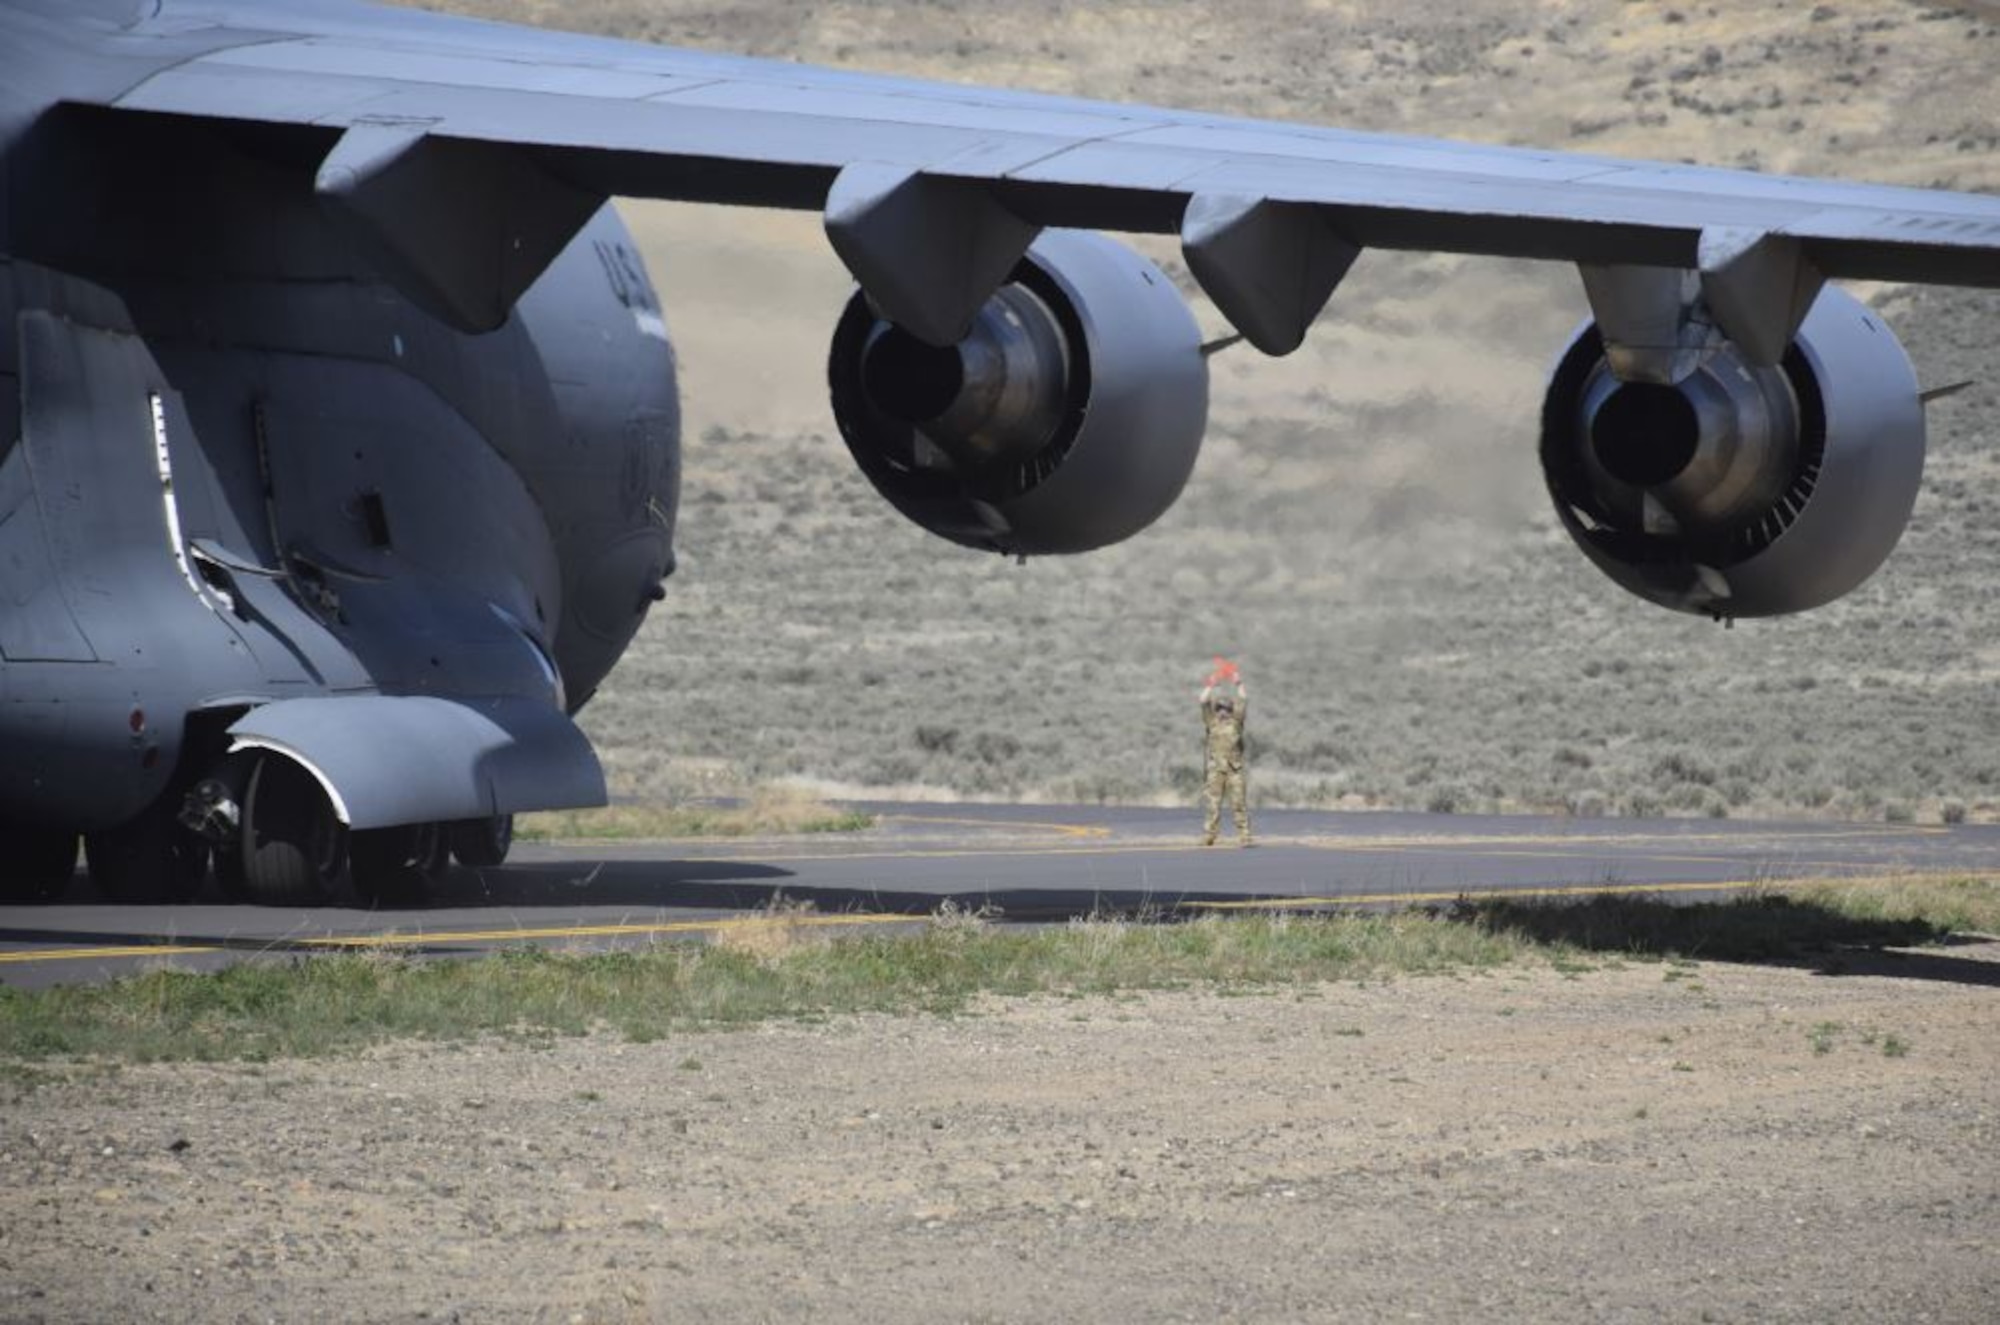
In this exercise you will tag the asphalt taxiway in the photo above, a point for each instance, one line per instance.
(1019, 862)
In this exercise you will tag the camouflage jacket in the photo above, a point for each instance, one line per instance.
(1224, 732)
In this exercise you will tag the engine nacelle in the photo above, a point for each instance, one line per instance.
(1068, 419)
(1741, 491)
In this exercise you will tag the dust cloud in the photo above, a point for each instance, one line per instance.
(1367, 522)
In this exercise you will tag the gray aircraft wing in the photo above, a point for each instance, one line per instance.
(933, 190)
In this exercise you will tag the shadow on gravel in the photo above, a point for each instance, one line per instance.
(1769, 930)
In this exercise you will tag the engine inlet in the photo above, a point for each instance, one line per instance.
(1705, 455)
(1743, 490)
(1645, 434)
(997, 395)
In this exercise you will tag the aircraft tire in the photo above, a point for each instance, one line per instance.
(294, 848)
(39, 867)
(229, 873)
(394, 867)
(151, 861)
(482, 843)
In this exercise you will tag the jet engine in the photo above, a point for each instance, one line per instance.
(1067, 419)
(1741, 491)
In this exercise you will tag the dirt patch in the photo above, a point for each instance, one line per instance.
(1640, 1141)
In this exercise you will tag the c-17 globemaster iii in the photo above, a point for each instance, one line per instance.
(339, 432)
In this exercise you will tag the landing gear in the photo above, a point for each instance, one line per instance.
(279, 842)
(35, 865)
(482, 843)
(291, 849)
(394, 866)
(151, 861)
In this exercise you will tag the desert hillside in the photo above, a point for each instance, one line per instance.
(1366, 529)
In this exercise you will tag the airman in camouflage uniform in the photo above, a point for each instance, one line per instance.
(1222, 721)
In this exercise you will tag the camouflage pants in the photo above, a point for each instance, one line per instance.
(1235, 784)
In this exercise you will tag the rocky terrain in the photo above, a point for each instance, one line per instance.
(1634, 1142)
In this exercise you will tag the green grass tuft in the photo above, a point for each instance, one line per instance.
(1964, 905)
(781, 966)
(338, 1003)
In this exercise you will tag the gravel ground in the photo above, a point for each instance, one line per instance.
(1639, 1142)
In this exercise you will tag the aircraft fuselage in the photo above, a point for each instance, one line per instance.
(236, 467)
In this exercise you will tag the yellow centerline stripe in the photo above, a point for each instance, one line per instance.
(1507, 843)
(415, 938)
(1653, 846)
(1067, 830)
(1526, 890)
(1170, 848)
(73, 954)
(418, 938)
(933, 853)
(1788, 837)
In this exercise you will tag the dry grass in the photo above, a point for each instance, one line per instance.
(768, 813)
(776, 934)
(1962, 905)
